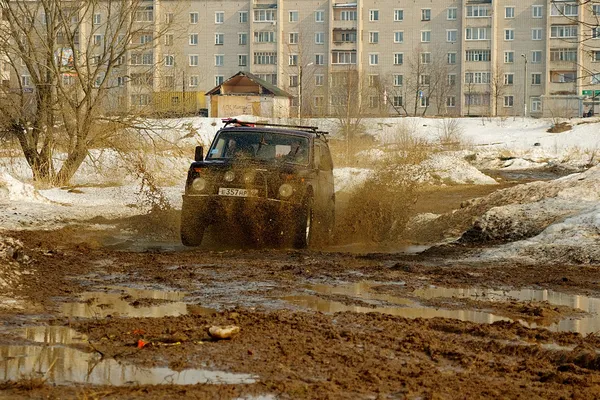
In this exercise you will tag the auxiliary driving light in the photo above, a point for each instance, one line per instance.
(229, 176)
(286, 190)
(249, 177)
(199, 184)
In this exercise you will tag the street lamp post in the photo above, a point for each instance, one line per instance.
(525, 87)
(300, 88)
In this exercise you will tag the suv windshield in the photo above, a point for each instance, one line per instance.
(258, 145)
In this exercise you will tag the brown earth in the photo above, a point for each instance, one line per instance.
(297, 353)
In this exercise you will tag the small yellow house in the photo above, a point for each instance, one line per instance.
(246, 94)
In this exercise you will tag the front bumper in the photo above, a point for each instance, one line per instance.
(215, 208)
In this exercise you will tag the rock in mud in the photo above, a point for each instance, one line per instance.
(223, 332)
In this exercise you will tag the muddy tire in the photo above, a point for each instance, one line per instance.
(192, 227)
(303, 235)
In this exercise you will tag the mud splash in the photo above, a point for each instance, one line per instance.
(52, 361)
(409, 307)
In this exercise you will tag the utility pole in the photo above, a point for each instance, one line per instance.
(526, 82)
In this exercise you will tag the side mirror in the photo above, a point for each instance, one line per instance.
(199, 154)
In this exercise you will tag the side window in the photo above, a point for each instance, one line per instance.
(325, 162)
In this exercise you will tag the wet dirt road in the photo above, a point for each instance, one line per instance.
(110, 314)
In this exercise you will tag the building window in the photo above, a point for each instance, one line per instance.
(478, 55)
(563, 54)
(319, 101)
(425, 36)
(264, 37)
(563, 76)
(509, 79)
(452, 58)
(399, 37)
(373, 80)
(242, 60)
(293, 59)
(451, 79)
(193, 81)
(169, 60)
(536, 78)
(319, 59)
(219, 79)
(425, 58)
(193, 60)
(536, 34)
(373, 15)
(398, 79)
(373, 37)
(509, 12)
(398, 58)
(219, 60)
(26, 80)
(536, 57)
(564, 9)
(536, 104)
(595, 32)
(397, 101)
(451, 35)
(293, 38)
(319, 16)
(219, 39)
(424, 101)
(348, 16)
(398, 15)
(97, 19)
(595, 56)
(451, 101)
(261, 15)
(424, 79)
(477, 77)
(293, 16)
(509, 34)
(563, 31)
(140, 99)
(320, 38)
(426, 14)
(509, 101)
(374, 59)
(319, 80)
(193, 39)
(243, 17)
(193, 18)
(242, 39)
(143, 14)
(169, 18)
(373, 101)
(595, 79)
(169, 39)
(98, 40)
(481, 33)
(537, 11)
(343, 57)
(478, 11)
(509, 57)
(293, 81)
(451, 14)
(219, 17)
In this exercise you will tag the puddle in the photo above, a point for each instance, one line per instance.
(411, 308)
(58, 364)
(366, 248)
(127, 302)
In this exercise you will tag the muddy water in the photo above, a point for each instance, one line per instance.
(51, 359)
(410, 307)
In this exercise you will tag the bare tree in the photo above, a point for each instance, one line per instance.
(69, 60)
(498, 85)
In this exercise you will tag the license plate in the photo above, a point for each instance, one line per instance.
(238, 192)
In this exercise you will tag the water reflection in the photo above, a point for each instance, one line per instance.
(125, 302)
(410, 308)
(56, 363)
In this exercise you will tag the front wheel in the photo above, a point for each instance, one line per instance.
(192, 228)
(304, 225)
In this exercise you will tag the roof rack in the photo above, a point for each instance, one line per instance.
(314, 129)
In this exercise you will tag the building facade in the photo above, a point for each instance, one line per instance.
(375, 57)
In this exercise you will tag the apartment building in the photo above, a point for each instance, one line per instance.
(382, 57)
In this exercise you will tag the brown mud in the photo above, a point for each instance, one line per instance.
(138, 307)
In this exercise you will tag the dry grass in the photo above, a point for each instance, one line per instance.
(560, 127)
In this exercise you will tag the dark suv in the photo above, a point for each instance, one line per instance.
(274, 182)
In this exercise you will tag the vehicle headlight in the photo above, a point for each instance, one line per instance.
(229, 176)
(249, 177)
(199, 184)
(286, 190)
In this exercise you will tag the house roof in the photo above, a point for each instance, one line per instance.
(266, 87)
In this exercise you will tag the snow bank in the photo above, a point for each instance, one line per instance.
(14, 190)
(454, 169)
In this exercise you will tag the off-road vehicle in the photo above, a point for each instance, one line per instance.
(272, 182)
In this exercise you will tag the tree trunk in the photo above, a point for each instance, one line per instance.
(71, 165)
